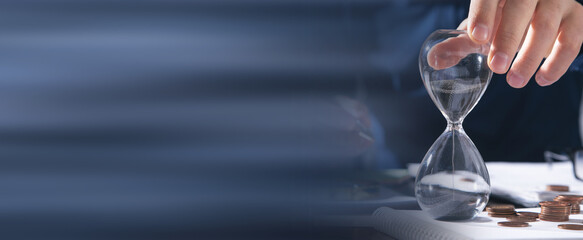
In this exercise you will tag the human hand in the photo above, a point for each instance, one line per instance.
(536, 29)
(449, 52)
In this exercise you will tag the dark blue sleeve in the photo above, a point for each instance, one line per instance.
(577, 65)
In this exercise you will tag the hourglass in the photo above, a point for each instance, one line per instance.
(453, 182)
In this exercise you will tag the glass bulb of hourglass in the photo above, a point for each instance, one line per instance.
(452, 182)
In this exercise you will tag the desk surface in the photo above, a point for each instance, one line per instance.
(417, 224)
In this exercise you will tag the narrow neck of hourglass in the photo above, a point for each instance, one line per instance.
(454, 126)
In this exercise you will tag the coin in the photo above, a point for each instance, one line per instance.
(554, 219)
(528, 214)
(553, 203)
(521, 219)
(500, 207)
(513, 224)
(558, 188)
(571, 226)
(574, 200)
(554, 211)
(570, 196)
(501, 215)
(467, 180)
(544, 211)
(502, 212)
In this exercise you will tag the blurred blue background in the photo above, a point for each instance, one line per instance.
(171, 119)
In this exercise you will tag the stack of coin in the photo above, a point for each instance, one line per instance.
(502, 210)
(574, 200)
(554, 211)
(558, 188)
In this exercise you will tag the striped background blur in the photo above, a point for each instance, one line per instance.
(168, 119)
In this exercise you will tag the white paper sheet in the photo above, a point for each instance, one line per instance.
(525, 183)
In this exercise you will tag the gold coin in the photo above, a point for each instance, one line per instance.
(553, 203)
(501, 215)
(467, 180)
(527, 214)
(521, 219)
(570, 196)
(571, 226)
(558, 188)
(513, 224)
(554, 219)
(501, 207)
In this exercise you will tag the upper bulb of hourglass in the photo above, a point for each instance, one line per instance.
(455, 72)
(452, 182)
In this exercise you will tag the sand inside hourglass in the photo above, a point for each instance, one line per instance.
(456, 97)
(453, 196)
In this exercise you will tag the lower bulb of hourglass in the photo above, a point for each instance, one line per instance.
(452, 182)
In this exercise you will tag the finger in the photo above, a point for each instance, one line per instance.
(481, 19)
(449, 52)
(463, 25)
(540, 37)
(516, 16)
(565, 50)
(498, 16)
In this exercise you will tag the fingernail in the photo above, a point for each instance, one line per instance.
(542, 81)
(480, 32)
(515, 80)
(499, 62)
